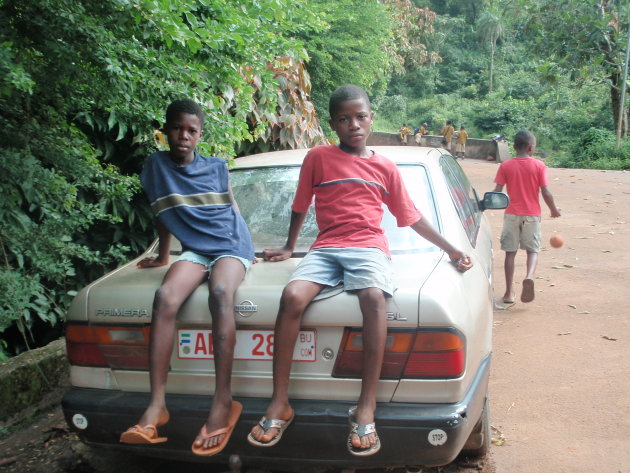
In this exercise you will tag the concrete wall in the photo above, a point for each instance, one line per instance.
(476, 148)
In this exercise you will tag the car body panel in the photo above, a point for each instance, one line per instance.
(316, 437)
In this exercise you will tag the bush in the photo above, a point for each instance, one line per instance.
(597, 149)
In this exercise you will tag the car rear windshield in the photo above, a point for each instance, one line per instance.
(265, 195)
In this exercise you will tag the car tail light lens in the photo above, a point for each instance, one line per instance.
(418, 354)
(122, 347)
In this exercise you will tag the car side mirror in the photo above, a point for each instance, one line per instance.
(494, 200)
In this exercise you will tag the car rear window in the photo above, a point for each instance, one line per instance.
(265, 195)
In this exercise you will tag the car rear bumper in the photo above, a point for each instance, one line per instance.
(411, 434)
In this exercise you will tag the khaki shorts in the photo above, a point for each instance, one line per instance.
(523, 230)
(460, 147)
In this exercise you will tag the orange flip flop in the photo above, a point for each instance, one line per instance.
(235, 413)
(139, 435)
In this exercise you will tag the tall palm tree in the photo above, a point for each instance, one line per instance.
(490, 29)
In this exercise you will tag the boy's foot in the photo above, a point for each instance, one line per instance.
(527, 295)
(270, 428)
(362, 439)
(212, 441)
(146, 430)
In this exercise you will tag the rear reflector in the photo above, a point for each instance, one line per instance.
(122, 347)
(421, 354)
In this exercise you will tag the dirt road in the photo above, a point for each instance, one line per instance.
(560, 380)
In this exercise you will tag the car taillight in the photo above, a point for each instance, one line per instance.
(422, 353)
(120, 347)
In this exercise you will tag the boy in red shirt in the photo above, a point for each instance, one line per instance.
(349, 183)
(525, 177)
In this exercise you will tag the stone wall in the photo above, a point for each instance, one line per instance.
(476, 148)
(32, 381)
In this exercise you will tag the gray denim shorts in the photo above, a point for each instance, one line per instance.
(355, 268)
(209, 261)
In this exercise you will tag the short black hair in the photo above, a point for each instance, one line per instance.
(345, 93)
(523, 139)
(184, 106)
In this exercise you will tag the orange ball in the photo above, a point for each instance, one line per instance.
(556, 241)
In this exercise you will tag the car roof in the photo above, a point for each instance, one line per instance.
(294, 157)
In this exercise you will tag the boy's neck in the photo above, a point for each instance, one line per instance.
(182, 160)
(359, 151)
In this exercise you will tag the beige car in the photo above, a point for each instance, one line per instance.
(432, 397)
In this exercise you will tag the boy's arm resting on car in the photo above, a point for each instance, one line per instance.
(285, 252)
(164, 249)
(425, 230)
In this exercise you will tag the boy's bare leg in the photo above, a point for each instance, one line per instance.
(225, 277)
(373, 308)
(532, 261)
(295, 298)
(508, 267)
(182, 278)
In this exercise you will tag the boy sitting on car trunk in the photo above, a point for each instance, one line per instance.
(350, 183)
(192, 199)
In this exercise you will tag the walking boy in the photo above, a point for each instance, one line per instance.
(525, 177)
(460, 144)
(447, 132)
(350, 183)
(192, 199)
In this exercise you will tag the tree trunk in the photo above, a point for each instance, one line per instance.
(615, 97)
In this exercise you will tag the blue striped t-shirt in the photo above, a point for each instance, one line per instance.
(192, 202)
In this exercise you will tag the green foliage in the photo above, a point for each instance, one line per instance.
(352, 49)
(390, 112)
(596, 149)
(82, 86)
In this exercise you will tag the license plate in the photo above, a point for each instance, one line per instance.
(250, 345)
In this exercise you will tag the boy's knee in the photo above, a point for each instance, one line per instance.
(218, 293)
(293, 298)
(372, 296)
(165, 303)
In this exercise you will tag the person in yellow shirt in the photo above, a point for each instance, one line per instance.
(424, 129)
(460, 144)
(404, 132)
(447, 132)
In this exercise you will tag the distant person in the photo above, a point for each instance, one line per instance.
(460, 144)
(192, 199)
(404, 132)
(447, 134)
(349, 184)
(526, 179)
(424, 129)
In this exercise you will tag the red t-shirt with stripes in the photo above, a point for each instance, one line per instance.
(349, 192)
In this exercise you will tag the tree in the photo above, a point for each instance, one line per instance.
(81, 85)
(490, 29)
(584, 37)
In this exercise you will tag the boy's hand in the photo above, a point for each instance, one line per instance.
(555, 213)
(461, 261)
(151, 263)
(277, 254)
